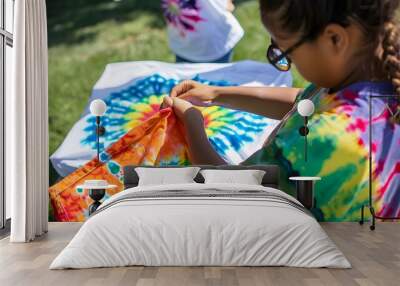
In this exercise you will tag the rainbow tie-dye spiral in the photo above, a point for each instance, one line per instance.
(229, 131)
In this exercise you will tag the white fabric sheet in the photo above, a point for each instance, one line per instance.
(248, 177)
(200, 231)
(124, 85)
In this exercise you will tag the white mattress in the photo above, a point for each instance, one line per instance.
(202, 231)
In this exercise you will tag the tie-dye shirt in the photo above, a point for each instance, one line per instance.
(201, 30)
(338, 150)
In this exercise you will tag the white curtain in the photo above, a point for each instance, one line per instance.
(26, 124)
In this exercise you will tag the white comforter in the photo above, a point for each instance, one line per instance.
(185, 231)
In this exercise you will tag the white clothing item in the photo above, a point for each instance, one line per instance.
(201, 30)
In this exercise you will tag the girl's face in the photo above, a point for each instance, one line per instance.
(329, 60)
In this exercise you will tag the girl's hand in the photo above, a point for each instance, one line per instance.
(200, 149)
(197, 93)
(184, 110)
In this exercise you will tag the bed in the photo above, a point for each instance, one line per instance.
(199, 224)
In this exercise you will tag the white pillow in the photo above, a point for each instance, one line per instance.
(248, 177)
(166, 176)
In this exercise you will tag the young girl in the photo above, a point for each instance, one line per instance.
(349, 50)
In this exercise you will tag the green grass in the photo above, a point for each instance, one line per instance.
(86, 35)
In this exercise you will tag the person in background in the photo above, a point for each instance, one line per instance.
(201, 31)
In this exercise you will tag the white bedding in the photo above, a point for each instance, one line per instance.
(188, 231)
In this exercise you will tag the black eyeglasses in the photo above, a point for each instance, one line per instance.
(278, 58)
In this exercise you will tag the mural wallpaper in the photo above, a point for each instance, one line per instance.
(138, 132)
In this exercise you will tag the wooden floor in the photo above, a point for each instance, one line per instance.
(375, 257)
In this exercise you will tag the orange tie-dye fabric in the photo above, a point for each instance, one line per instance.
(149, 143)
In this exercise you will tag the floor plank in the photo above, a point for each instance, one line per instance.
(375, 257)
